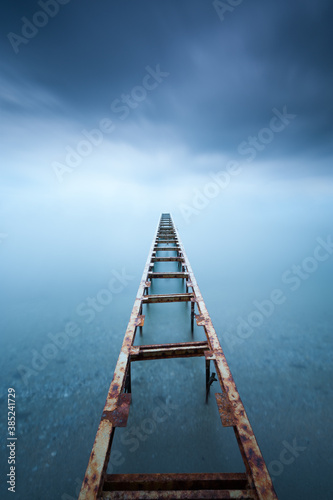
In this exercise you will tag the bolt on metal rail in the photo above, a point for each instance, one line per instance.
(255, 482)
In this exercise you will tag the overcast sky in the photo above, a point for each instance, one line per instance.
(177, 88)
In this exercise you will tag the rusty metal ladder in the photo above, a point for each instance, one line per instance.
(255, 482)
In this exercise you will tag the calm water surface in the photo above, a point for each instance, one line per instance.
(282, 364)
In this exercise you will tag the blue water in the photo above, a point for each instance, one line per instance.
(240, 253)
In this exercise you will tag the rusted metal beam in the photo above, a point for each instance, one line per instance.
(94, 477)
(163, 351)
(166, 249)
(199, 481)
(118, 417)
(179, 494)
(168, 275)
(172, 297)
(256, 483)
(167, 259)
(167, 237)
(227, 416)
(252, 457)
(163, 240)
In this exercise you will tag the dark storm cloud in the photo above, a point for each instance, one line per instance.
(225, 76)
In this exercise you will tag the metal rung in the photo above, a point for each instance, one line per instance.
(179, 494)
(167, 259)
(163, 351)
(172, 297)
(158, 483)
(163, 240)
(168, 275)
(166, 249)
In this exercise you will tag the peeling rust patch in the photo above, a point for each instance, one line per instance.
(135, 350)
(119, 416)
(226, 412)
(210, 356)
(200, 319)
(139, 321)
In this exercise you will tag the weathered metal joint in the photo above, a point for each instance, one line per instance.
(227, 415)
(118, 417)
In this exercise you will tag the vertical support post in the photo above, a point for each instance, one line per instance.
(128, 383)
(207, 372)
(140, 313)
(207, 378)
(192, 315)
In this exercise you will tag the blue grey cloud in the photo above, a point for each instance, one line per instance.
(224, 77)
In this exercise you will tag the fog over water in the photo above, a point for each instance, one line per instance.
(111, 114)
(242, 247)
